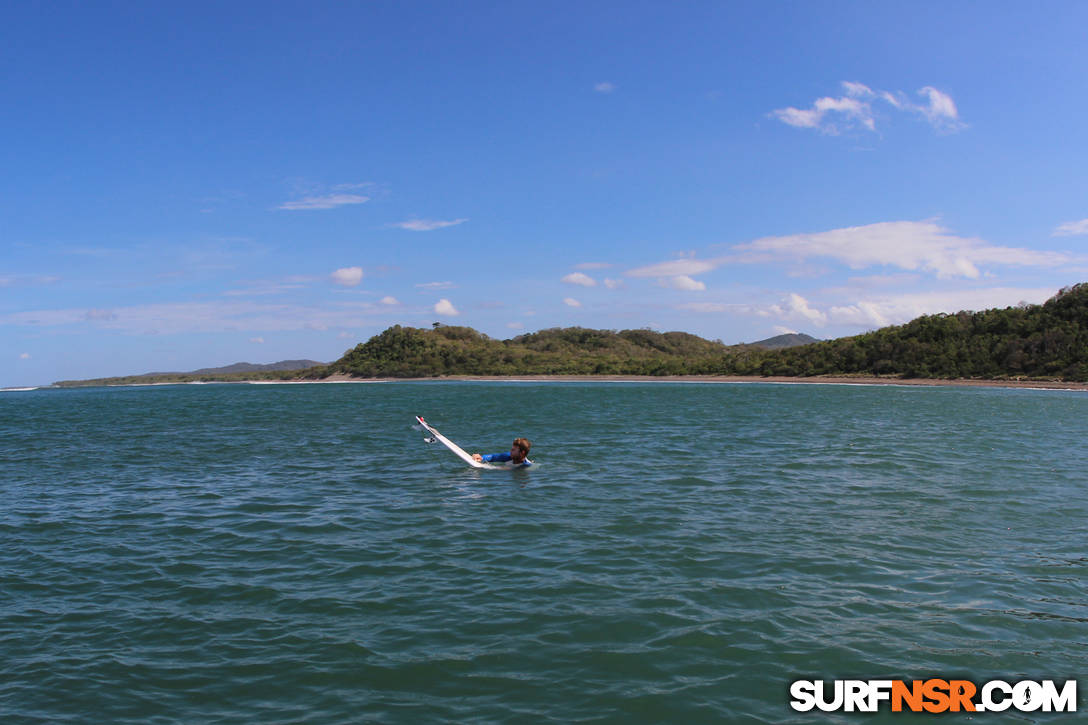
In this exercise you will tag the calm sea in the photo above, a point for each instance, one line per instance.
(681, 552)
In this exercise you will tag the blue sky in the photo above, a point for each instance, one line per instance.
(195, 184)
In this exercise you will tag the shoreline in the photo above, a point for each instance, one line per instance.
(719, 379)
(817, 380)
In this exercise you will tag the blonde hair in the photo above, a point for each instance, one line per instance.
(523, 444)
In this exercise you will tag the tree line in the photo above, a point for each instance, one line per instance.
(1048, 341)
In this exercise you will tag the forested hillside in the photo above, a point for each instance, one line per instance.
(446, 350)
(1035, 341)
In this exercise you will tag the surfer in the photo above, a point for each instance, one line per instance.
(519, 449)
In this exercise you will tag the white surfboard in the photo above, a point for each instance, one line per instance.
(453, 446)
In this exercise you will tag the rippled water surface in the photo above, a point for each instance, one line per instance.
(681, 553)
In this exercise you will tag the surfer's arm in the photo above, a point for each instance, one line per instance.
(494, 457)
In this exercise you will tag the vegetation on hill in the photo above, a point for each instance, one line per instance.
(1030, 341)
(1048, 341)
(448, 350)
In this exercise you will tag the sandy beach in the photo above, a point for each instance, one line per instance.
(828, 380)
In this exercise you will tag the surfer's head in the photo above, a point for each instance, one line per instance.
(519, 449)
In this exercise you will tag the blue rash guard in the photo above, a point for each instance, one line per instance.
(503, 458)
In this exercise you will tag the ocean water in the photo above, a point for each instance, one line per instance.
(681, 552)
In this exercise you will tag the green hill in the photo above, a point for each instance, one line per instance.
(791, 339)
(1048, 341)
(448, 350)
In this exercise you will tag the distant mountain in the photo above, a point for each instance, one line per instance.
(244, 367)
(780, 342)
(284, 369)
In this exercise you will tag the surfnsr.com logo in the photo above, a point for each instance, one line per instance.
(933, 696)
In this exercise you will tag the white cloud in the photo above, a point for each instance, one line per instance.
(897, 100)
(908, 245)
(436, 285)
(830, 115)
(390, 301)
(1071, 229)
(571, 302)
(348, 276)
(683, 282)
(855, 109)
(675, 268)
(857, 90)
(861, 308)
(515, 325)
(798, 308)
(941, 111)
(883, 310)
(613, 283)
(604, 87)
(579, 278)
(427, 225)
(793, 307)
(782, 330)
(445, 307)
(257, 340)
(24, 356)
(330, 201)
(864, 314)
(799, 118)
